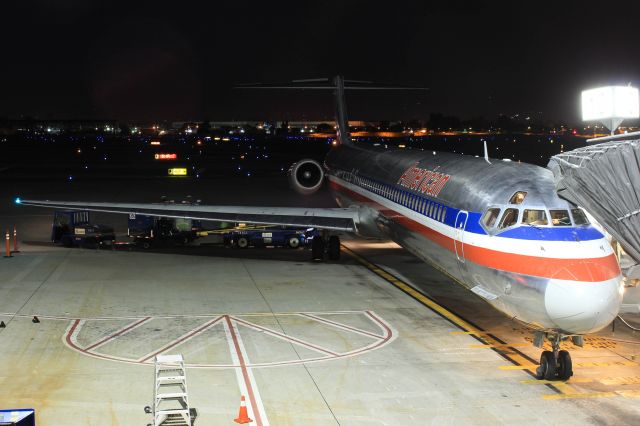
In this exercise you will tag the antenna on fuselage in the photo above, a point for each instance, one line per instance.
(486, 152)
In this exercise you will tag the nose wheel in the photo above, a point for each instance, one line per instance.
(555, 364)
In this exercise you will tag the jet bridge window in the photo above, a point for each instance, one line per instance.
(579, 218)
(490, 217)
(535, 217)
(509, 218)
(560, 217)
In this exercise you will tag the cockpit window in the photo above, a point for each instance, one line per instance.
(489, 218)
(509, 218)
(518, 197)
(560, 217)
(534, 217)
(579, 218)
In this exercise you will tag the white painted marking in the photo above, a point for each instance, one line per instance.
(386, 336)
(244, 375)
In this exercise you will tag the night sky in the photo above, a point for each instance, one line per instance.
(178, 61)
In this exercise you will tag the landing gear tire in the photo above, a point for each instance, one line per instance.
(547, 368)
(334, 247)
(242, 242)
(293, 242)
(565, 366)
(317, 249)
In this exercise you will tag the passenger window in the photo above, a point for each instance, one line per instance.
(534, 217)
(490, 217)
(509, 218)
(560, 217)
(579, 218)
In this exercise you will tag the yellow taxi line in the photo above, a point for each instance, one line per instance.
(555, 382)
(580, 395)
(503, 345)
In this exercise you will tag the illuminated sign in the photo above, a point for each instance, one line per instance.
(178, 171)
(171, 156)
(428, 182)
(610, 102)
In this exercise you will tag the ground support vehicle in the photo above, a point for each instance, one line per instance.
(74, 229)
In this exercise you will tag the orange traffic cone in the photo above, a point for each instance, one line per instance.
(243, 416)
(7, 245)
(15, 240)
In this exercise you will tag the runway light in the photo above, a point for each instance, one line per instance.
(18, 200)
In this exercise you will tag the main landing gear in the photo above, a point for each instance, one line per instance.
(555, 364)
(324, 246)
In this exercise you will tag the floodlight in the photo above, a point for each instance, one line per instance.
(610, 105)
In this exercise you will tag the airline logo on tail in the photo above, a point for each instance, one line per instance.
(429, 182)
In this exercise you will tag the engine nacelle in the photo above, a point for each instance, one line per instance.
(306, 176)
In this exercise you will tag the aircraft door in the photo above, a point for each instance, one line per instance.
(461, 223)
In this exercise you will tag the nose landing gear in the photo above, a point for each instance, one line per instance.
(555, 364)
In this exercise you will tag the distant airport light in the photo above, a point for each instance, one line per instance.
(178, 171)
(155, 142)
(171, 156)
(18, 200)
(610, 105)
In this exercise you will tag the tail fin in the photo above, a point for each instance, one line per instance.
(342, 122)
(343, 136)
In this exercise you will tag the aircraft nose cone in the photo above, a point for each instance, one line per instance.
(578, 307)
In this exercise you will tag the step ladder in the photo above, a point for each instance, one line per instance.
(170, 402)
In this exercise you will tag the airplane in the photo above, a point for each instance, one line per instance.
(496, 227)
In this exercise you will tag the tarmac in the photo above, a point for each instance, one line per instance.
(377, 338)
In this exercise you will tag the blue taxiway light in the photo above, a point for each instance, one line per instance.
(18, 200)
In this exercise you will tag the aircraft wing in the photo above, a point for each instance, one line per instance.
(337, 219)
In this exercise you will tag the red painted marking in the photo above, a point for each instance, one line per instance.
(245, 372)
(180, 340)
(284, 336)
(383, 341)
(340, 325)
(70, 333)
(118, 333)
(382, 324)
(588, 270)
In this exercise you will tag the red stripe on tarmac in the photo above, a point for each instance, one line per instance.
(245, 373)
(343, 326)
(288, 338)
(180, 340)
(588, 270)
(70, 333)
(118, 333)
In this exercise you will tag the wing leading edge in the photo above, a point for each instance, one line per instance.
(337, 219)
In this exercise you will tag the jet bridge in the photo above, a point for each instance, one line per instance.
(604, 179)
